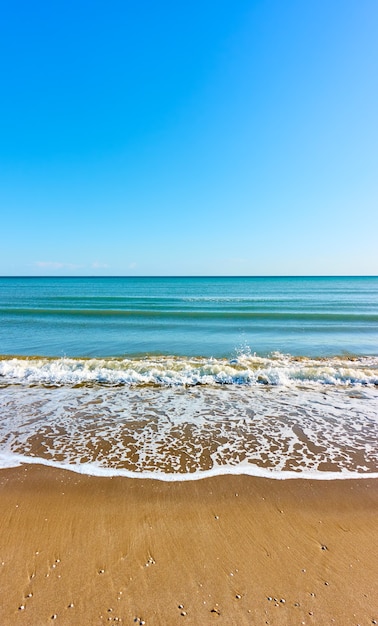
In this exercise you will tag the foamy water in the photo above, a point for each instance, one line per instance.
(177, 419)
(246, 369)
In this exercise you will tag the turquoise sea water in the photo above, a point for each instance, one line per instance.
(215, 317)
(181, 378)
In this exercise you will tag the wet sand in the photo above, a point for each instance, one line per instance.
(79, 550)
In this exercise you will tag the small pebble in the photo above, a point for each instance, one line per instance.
(238, 596)
(101, 571)
(216, 516)
(21, 608)
(183, 613)
(269, 598)
(30, 595)
(324, 548)
(180, 606)
(326, 583)
(311, 613)
(282, 600)
(54, 616)
(70, 606)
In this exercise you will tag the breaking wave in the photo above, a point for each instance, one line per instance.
(245, 369)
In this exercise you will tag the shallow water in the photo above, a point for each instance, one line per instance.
(180, 432)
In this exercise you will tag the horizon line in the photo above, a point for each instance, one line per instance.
(190, 276)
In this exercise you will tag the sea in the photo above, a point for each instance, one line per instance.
(180, 378)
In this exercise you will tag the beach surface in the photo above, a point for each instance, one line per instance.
(78, 549)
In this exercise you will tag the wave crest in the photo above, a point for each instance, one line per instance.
(245, 369)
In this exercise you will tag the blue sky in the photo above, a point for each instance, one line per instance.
(200, 138)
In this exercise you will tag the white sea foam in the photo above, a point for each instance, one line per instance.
(91, 469)
(177, 433)
(245, 369)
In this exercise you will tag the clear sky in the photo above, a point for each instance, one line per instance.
(202, 137)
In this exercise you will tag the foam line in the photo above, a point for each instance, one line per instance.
(92, 469)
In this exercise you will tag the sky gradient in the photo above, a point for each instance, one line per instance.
(199, 138)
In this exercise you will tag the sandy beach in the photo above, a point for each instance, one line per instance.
(229, 549)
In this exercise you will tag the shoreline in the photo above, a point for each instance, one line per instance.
(246, 470)
(94, 550)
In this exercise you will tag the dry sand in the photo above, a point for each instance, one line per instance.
(80, 550)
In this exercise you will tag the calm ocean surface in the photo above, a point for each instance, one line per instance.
(181, 378)
(188, 316)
